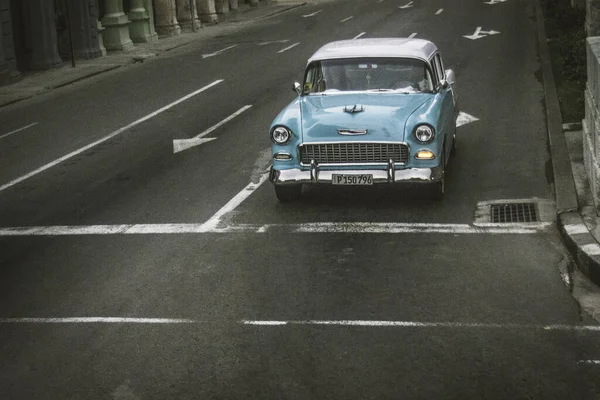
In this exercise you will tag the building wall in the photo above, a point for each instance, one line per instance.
(6, 31)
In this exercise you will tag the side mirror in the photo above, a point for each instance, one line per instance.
(443, 84)
(450, 77)
(297, 88)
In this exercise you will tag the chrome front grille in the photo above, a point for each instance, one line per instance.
(353, 153)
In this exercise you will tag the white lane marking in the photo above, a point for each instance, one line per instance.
(370, 227)
(216, 53)
(95, 320)
(108, 137)
(184, 144)
(417, 324)
(464, 119)
(576, 229)
(18, 130)
(412, 35)
(273, 41)
(589, 362)
(312, 14)
(359, 35)
(481, 34)
(380, 1)
(409, 5)
(346, 19)
(592, 249)
(492, 2)
(289, 47)
(212, 226)
(213, 223)
(360, 323)
(438, 12)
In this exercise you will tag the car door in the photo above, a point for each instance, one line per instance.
(447, 117)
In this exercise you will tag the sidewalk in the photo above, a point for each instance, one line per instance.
(34, 83)
(581, 229)
(577, 221)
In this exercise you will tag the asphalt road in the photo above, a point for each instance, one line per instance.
(224, 293)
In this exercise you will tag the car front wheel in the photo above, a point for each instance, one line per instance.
(286, 194)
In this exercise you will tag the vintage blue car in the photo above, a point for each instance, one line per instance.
(370, 111)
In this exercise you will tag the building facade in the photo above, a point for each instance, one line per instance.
(44, 34)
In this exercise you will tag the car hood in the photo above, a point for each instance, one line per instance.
(384, 115)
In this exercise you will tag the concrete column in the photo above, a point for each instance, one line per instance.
(233, 5)
(207, 11)
(222, 6)
(8, 61)
(592, 18)
(187, 15)
(44, 48)
(84, 27)
(116, 36)
(99, 28)
(166, 18)
(139, 29)
(150, 9)
(4, 68)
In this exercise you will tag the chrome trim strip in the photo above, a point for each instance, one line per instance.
(355, 141)
(400, 164)
(352, 132)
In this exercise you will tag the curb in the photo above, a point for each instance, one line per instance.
(581, 244)
(564, 184)
(51, 87)
(577, 238)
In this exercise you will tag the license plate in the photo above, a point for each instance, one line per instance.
(340, 179)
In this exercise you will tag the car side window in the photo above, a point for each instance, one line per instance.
(438, 67)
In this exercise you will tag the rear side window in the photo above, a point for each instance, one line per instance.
(438, 67)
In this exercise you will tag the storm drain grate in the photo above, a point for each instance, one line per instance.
(514, 212)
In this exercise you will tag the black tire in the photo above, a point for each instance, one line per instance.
(286, 194)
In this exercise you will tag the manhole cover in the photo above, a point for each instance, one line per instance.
(513, 212)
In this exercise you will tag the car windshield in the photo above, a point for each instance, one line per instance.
(405, 75)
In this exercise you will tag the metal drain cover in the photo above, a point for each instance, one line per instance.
(513, 212)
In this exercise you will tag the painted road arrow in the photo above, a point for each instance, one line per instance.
(464, 119)
(409, 5)
(480, 34)
(184, 144)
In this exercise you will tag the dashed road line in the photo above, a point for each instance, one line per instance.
(412, 35)
(359, 35)
(589, 362)
(346, 19)
(438, 12)
(216, 53)
(108, 137)
(289, 47)
(18, 130)
(312, 14)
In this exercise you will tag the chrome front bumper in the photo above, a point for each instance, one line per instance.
(391, 175)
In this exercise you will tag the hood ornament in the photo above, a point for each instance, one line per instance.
(352, 132)
(354, 109)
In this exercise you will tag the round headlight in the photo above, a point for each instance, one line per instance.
(281, 135)
(424, 133)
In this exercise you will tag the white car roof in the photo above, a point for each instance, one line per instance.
(390, 47)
